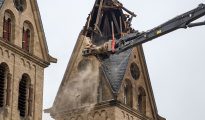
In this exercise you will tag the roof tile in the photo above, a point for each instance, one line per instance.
(115, 68)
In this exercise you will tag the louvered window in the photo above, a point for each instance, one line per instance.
(7, 29)
(22, 96)
(26, 39)
(5, 85)
(2, 85)
(25, 99)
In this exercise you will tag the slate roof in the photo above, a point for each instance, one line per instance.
(114, 68)
(1, 3)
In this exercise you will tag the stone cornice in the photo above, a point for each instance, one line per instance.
(129, 110)
(102, 105)
(21, 52)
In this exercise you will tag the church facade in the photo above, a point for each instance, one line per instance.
(23, 57)
(107, 86)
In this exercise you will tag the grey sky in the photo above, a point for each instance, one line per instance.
(176, 61)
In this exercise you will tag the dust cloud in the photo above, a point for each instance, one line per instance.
(79, 91)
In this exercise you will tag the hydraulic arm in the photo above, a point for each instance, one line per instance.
(130, 40)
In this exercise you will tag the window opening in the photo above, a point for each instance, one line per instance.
(2, 85)
(135, 72)
(22, 96)
(142, 101)
(26, 39)
(128, 93)
(125, 94)
(25, 100)
(7, 29)
(20, 5)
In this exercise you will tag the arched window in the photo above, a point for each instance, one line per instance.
(141, 100)
(8, 26)
(25, 98)
(5, 85)
(7, 29)
(128, 93)
(27, 37)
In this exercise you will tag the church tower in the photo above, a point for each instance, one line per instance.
(106, 87)
(23, 57)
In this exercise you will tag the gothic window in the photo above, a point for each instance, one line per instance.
(25, 98)
(8, 25)
(27, 37)
(141, 100)
(128, 93)
(5, 84)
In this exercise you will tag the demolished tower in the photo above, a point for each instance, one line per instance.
(106, 87)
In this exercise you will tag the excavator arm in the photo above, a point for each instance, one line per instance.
(133, 39)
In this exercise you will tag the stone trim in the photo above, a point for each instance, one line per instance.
(26, 55)
(103, 105)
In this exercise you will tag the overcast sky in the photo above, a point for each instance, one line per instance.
(176, 62)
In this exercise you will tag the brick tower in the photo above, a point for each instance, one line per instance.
(23, 57)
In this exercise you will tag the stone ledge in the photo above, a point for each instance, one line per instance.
(29, 56)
